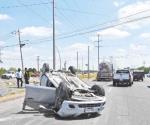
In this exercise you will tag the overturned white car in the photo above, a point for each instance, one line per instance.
(65, 94)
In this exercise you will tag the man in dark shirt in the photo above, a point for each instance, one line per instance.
(26, 76)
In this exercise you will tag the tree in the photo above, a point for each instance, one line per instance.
(12, 69)
(2, 71)
(32, 70)
(146, 69)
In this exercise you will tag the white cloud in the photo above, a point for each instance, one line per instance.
(136, 48)
(133, 56)
(2, 43)
(40, 31)
(132, 9)
(4, 17)
(145, 35)
(118, 3)
(114, 33)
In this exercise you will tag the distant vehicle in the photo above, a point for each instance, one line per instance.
(123, 77)
(148, 75)
(9, 75)
(105, 71)
(138, 75)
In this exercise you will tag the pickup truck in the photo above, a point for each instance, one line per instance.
(123, 77)
(65, 94)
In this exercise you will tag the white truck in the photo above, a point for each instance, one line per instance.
(105, 71)
(9, 75)
(66, 95)
(123, 77)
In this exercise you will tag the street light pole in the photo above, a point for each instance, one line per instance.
(20, 46)
(88, 62)
(38, 63)
(77, 61)
(59, 57)
(98, 46)
(54, 55)
(98, 51)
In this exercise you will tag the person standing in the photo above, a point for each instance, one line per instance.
(19, 77)
(26, 76)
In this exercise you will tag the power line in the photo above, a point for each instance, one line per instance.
(85, 32)
(24, 5)
(33, 11)
(78, 11)
(115, 20)
(66, 19)
(103, 28)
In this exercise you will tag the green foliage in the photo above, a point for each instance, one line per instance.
(12, 69)
(146, 69)
(2, 71)
(33, 70)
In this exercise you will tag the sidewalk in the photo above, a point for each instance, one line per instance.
(9, 90)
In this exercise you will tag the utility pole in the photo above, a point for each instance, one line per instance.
(98, 50)
(77, 61)
(88, 62)
(98, 46)
(54, 55)
(1, 56)
(82, 64)
(59, 57)
(38, 63)
(65, 65)
(20, 46)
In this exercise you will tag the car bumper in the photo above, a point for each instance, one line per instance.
(121, 81)
(76, 108)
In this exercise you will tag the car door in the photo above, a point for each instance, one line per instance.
(39, 95)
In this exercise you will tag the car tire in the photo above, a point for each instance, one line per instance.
(98, 90)
(130, 83)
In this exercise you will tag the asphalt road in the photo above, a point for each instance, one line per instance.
(125, 106)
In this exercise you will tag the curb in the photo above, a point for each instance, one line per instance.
(11, 97)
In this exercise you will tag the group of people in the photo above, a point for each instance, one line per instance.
(19, 77)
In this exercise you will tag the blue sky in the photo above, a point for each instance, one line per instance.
(128, 44)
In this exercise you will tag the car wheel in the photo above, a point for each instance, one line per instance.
(130, 83)
(98, 90)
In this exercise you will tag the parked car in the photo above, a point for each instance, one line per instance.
(138, 75)
(66, 95)
(123, 77)
(9, 75)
